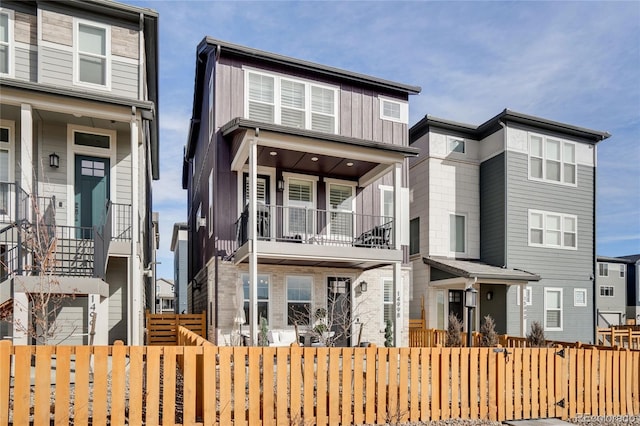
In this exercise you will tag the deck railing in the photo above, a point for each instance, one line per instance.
(313, 226)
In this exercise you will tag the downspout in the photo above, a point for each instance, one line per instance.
(215, 195)
(140, 61)
(594, 256)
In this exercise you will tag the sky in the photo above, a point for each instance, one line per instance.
(573, 62)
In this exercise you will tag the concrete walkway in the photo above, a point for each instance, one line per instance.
(537, 422)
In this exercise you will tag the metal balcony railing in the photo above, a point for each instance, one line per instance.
(313, 226)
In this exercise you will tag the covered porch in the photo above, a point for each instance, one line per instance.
(491, 283)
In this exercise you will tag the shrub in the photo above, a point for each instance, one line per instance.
(489, 337)
(454, 332)
(388, 334)
(536, 339)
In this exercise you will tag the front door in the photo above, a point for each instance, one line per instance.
(91, 192)
(455, 303)
(339, 310)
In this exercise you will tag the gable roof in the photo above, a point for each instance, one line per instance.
(495, 123)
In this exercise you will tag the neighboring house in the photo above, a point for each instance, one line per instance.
(295, 174)
(611, 291)
(180, 249)
(165, 297)
(633, 287)
(78, 151)
(507, 208)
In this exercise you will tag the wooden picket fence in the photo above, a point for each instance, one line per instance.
(161, 328)
(323, 386)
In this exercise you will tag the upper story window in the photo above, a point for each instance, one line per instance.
(6, 165)
(386, 205)
(556, 230)
(393, 110)
(6, 42)
(457, 233)
(552, 160)
(553, 309)
(603, 269)
(91, 53)
(622, 267)
(272, 98)
(457, 145)
(414, 236)
(579, 297)
(606, 290)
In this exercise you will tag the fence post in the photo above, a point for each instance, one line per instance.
(5, 378)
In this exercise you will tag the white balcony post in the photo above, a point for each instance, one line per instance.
(26, 149)
(136, 309)
(399, 320)
(252, 234)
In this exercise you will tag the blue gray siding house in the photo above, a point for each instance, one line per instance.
(535, 183)
(79, 149)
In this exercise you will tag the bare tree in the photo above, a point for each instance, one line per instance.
(36, 246)
(454, 332)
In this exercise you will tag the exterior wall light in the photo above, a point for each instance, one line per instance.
(363, 286)
(54, 160)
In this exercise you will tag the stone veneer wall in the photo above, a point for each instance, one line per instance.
(367, 307)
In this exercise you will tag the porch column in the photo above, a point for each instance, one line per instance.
(26, 148)
(397, 205)
(399, 322)
(136, 309)
(253, 255)
(523, 327)
(20, 318)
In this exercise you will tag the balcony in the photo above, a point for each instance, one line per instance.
(312, 237)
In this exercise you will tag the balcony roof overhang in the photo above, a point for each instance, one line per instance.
(343, 157)
(281, 253)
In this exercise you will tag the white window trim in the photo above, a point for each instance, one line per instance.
(10, 146)
(314, 201)
(577, 291)
(548, 290)
(528, 296)
(286, 298)
(210, 210)
(10, 42)
(262, 170)
(76, 52)
(466, 234)
(544, 159)
(603, 267)
(622, 271)
(383, 189)
(211, 106)
(456, 139)
(404, 109)
(613, 290)
(328, 182)
(269, 299)
(544, 229)
(277, 95)
(384, 280)
(73, 149)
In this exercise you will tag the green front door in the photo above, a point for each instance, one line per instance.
(91, 192)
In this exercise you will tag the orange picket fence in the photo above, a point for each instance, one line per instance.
(210, 385)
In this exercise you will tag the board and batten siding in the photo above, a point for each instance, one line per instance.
(563, 268)
(51, 181)
(359, 109)
(118, 296)
(492, 211)
(26, 28)
(123, 168)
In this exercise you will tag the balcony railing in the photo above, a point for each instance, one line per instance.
(313, 226)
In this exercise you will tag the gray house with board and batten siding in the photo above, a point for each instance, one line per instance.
(508, 208)
(78, 153)
(296, 176)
